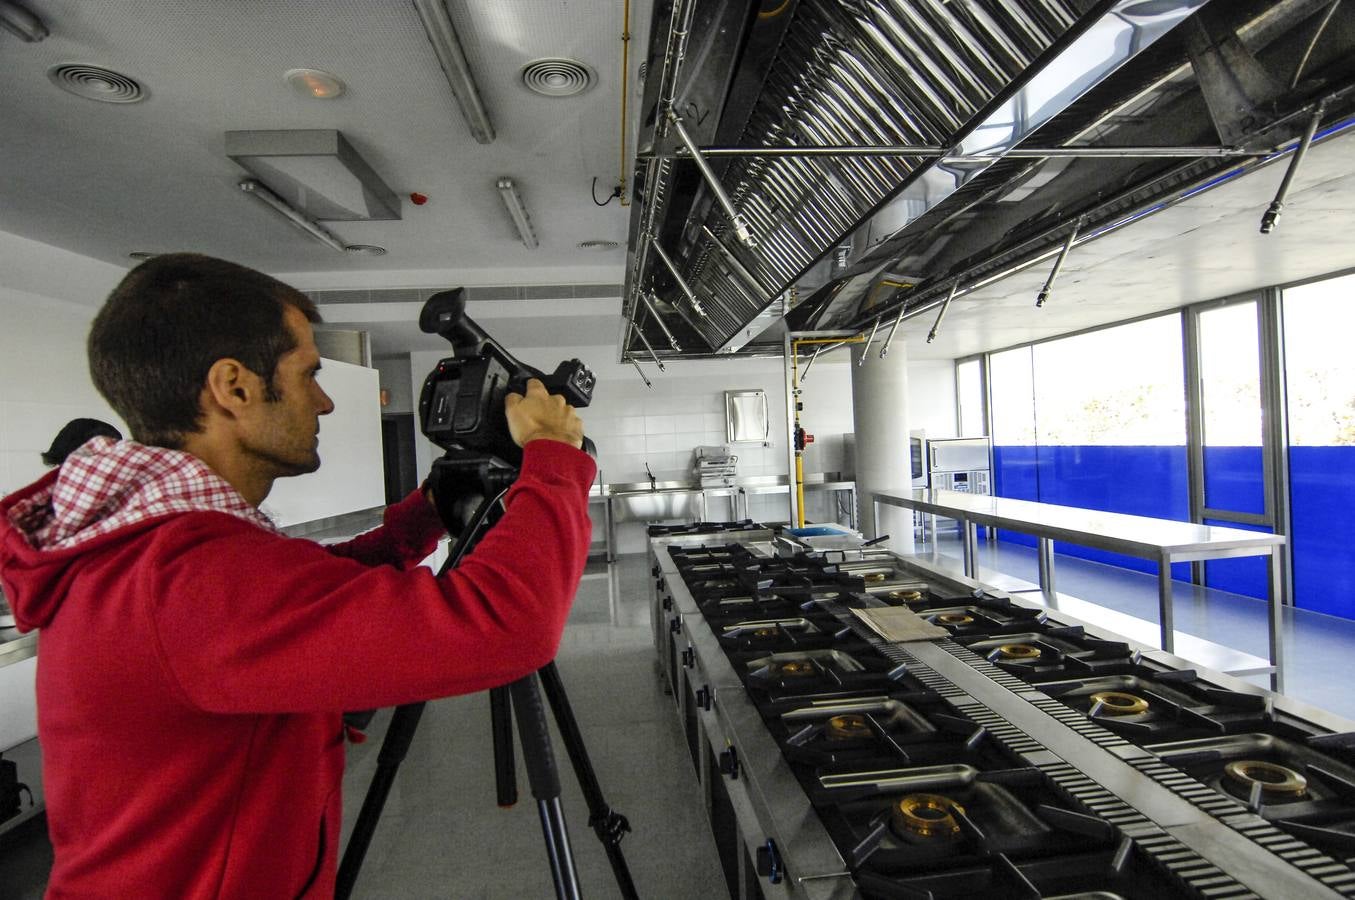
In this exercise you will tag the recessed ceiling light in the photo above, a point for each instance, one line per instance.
(141, 254)
(314, 83)
(598, 245)
(365, 250)
(557, 77)
(96, 83)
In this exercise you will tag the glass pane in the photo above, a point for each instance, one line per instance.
(1230, 385)
(1320, 384)
(969, 395)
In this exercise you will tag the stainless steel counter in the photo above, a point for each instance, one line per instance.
(1163, 541)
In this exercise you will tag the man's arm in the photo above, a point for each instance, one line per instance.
(410, 530)
(252, 623)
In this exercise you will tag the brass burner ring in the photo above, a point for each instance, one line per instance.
(1275, 780)
(927, 816)
(1118, 703)
(954, 619)
(847, 726)
(873, 577)
(906, 596)
(798, 669)
(764, 632)
(1019, 651)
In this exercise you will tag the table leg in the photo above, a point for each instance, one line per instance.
(1047, 568)
(971, 548)
(610, 523)
(1164, 604)
(1275, 568)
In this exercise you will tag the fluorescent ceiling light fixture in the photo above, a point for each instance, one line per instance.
(437, 24)
(513, 201)
(261, 193)
(19, 21)
(317, 172)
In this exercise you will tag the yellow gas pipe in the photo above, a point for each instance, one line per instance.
(795, 386)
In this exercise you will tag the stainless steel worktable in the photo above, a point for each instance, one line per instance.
(1163, 541)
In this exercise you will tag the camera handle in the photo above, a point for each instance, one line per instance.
(453, 472)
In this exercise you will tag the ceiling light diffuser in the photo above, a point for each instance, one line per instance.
(315, 83)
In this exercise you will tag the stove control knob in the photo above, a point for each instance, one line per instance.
(688, 658)
(675, 625)
(667, 604)
(655, 570)
(769, 862)
(661, 584)
(729, 762)
(703, 697)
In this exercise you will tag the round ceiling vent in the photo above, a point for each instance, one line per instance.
(96, 83)
(365, 249)
(598, 245)
(557, 77)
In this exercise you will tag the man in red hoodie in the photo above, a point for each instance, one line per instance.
(195, 662)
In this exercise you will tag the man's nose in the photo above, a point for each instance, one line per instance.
(326, 405)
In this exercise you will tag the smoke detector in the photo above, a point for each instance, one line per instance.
(553, 77)
(96, 83)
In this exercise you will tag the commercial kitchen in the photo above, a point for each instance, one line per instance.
(973, 409)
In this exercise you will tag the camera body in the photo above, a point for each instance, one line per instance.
(461, 405)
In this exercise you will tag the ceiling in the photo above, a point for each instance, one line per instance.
(104, 180)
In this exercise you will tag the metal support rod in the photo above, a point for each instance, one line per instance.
(677, 276)
(866, 352)
(817, 351)
(884, 351)
(734, 263)
(934, 151)
(644, 340)
(936, 326)
(655, 313)
(1058, 265)
(1272, 215)
(736, 219)
(261, 192)
(640, 370)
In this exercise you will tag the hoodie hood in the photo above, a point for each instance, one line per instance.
(104, 490)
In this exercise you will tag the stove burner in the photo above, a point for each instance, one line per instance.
(1118, 703)
(906, 596)
(925, 817)
(873, 577)
(954, 619)
(847, 727)
(764, 632)
(1276, 781)
(1019, 652)
(798, 669)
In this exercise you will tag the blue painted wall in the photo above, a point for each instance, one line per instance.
(1322, 496)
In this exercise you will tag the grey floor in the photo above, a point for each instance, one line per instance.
(443, 836)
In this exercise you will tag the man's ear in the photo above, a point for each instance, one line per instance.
(231, 386)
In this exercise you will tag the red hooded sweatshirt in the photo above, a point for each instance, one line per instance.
(194, 663)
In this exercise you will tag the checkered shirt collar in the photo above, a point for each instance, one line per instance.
(106, 485)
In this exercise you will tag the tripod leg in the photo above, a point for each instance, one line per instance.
(501, 729)
(393, 749)
(609, 826)
(544, 777)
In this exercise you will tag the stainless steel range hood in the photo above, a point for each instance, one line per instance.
(878, 150)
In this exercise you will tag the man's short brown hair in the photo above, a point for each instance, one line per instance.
(168, 321)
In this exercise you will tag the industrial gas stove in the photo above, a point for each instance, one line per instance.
(1027, 755)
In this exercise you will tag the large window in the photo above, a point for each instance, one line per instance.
(969, 397)
(1095, 420)
(1319, 319)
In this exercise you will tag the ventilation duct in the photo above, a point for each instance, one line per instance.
(316, 172)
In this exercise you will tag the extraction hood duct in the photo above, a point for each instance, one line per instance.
(316, 172)
(949, 132)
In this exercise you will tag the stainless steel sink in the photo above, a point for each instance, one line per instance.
(638, 502)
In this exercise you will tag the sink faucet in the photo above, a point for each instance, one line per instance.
(653, 483)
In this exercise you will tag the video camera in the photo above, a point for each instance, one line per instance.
(461, 404)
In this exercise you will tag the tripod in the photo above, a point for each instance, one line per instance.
(451, 475)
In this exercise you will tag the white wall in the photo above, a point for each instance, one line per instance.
(47, 299)
(350, 476)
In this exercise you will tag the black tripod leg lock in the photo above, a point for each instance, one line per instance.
(610, 826)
